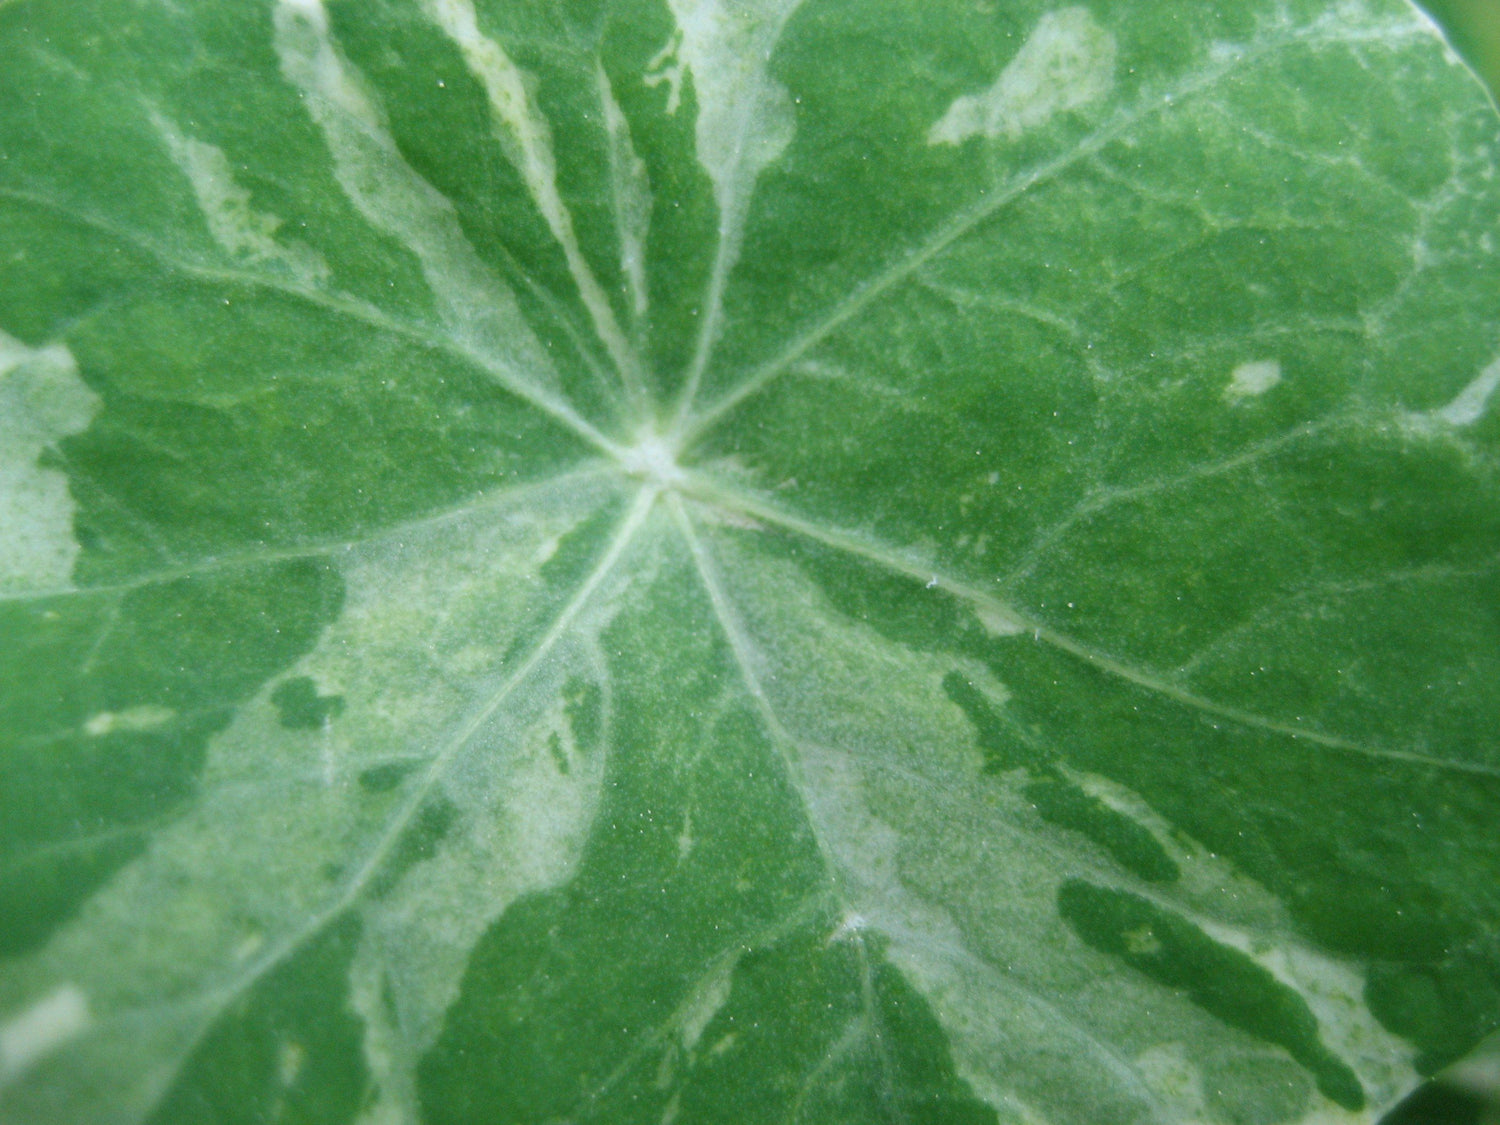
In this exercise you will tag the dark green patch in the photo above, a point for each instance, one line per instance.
(1447, 1007)
(583, 703)
(1063, 803)
(426, 831)
(300, 707)
(382, 779)
(559, 753)
(288, 1051)
(1223, 981)
(1003, 747)
(74, 805)
(805, 1003)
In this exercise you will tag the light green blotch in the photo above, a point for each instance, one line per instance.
(1067, 62)
(1252, 379)
(242, 231)
(35, 1032)
(42, 400)
(285, 836)
(146, 716)
(477, 311)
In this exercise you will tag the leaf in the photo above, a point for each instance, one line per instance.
(790, 560)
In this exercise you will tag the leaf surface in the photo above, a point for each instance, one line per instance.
(791, 560)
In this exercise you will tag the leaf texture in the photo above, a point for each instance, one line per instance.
(686, 561)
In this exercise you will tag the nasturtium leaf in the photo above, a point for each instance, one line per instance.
(698, 561)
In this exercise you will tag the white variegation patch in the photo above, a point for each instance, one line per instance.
(1250, 380)
(631, 192)
(430, 715)
(242, 231)
(961, 884)
(42, 401)
(526, 137)
(1470, 404)
(745, 122)
(479, 313)
(35, 1032)
(1068, 62)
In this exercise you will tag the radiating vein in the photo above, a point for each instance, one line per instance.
(526, 137)
(892, 560)
(782, 738)
(239, 560)
(736, 97)
(339, 304)
(693, 426)
(406, 813)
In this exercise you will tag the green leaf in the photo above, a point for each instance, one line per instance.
(686, 561)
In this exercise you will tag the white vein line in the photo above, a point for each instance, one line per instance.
(733, 214)
(527, 138)
(1102, 498)
(340, 304)
(875, 1031)
(739, 645)
(240, 559)
(782, 738)
(216, 999)
(715, 494)
(808, 910)
(866, 293)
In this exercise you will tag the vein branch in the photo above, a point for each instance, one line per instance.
(406, 813)
(892, 560)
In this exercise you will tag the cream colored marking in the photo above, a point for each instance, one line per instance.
(1175, 1080)
(1067, 63)
(42, 400)
(849, 927)
(706, 1003)
(1470, 404)
(667, 66)
(1251, 379)
(745, 122)
(289, 1060)
(526, 138)
(653, 459)
(632, 195)
(235, 225)
(998, 621)
(1334, 992)
(146, 716)
(37, 1031)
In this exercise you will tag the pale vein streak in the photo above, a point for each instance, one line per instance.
(966, 221)
(1103, 498)
(239, 560)
(406, 813)
(889, 559)
(340, 304)
(811, 909)
(527, 138)
(782, 738)
(734, 208)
